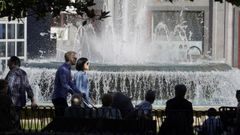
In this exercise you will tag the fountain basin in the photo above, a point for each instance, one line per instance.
(212, 84)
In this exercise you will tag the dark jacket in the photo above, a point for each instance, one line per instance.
(63, 83)
(123, 103)
(179, 118)
(18, 85)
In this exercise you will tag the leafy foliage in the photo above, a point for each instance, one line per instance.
(16, 9)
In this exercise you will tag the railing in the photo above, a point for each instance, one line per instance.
(198, 117)
(38, 118)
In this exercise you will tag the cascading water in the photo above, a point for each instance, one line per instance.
(204, 88)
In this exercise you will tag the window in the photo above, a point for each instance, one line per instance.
(20, 48)
(20, 31)
(2, 49)
(2, 31)
(11, 31)
(11, 49)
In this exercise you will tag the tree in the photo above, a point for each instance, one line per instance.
(16, 9)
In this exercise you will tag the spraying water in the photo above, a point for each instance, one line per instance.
(136, 35)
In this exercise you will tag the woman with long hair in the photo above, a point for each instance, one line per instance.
(81, 78)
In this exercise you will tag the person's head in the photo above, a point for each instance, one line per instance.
(76, 100)
(150, 96)
(70, 57)
(238, 95)
(13, 62)
(212, 112)
(107, 100)
(180, 90)
(3, 87)
(82, 64)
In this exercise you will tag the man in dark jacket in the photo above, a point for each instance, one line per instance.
(63, 84)
(18, 86)
(179, 114)
(18, 83)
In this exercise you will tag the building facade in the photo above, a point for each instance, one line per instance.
(13, 40)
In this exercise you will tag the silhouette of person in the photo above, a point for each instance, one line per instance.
(237, 128)
(7, 111)
(76, 110)
(145, 107)
(106, 111)
(63, 84)
(179, 114)
(212, 125)
(124, 104)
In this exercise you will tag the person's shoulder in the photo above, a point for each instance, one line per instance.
(23, 71)
(79, 73)
(63, 67)
(171, 101)
(19, 72)
(145, 103)
(188, 102)
(140, 104)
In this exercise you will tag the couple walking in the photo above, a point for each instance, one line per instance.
(64, 84)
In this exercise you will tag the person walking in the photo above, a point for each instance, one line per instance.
(81, 79)
(63, 84)
(18, 86)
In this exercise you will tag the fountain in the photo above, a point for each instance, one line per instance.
(128, 37)
(134, 53)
